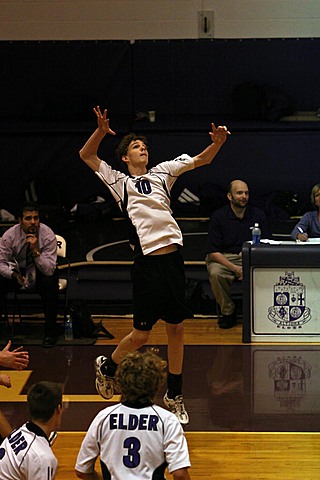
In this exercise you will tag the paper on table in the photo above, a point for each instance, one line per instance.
(271, 242)
(310, 240)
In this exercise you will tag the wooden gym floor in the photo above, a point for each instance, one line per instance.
(254, 409)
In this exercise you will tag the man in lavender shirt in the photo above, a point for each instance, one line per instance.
(28, 262)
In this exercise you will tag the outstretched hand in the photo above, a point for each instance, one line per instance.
(103, 121)
(18, 359)
(219, 135)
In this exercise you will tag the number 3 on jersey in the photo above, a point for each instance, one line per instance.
(133, 445)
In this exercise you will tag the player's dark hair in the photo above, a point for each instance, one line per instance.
(43, 399)
(123, 146)
(139, 377)
(28, 207)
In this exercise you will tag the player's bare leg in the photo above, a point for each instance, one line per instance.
(173, 398)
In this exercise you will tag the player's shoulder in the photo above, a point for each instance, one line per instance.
(108, 170)
(105, 412)
(183, 158)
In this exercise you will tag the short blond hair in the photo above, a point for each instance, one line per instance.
(314, 191)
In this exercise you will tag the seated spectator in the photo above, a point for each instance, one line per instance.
(28, 261)
(136, 438)
(309, 225)
(26, 452)
(229, 227)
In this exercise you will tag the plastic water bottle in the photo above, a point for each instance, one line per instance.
(256, 234)
(68, 331)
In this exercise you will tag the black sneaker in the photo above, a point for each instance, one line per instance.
(227, 321)
(104, 383)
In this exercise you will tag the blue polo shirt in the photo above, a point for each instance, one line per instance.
(227, 232)
(309, 224)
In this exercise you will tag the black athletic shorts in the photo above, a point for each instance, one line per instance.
(159, 290)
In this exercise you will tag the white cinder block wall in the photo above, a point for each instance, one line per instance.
(155, 19)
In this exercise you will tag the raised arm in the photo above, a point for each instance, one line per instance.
(218, 137)
(89, 152)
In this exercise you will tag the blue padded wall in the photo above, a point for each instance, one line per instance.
(49, 89)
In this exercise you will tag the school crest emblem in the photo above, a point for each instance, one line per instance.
(289, 310)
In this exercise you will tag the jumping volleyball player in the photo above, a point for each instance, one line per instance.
(158, 271)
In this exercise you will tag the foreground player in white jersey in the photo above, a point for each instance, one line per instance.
(135, 439)
(26, 453)
(158, 270)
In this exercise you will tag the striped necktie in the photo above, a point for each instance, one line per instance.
(30, 272)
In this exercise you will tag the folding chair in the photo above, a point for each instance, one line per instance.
(63, 280)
